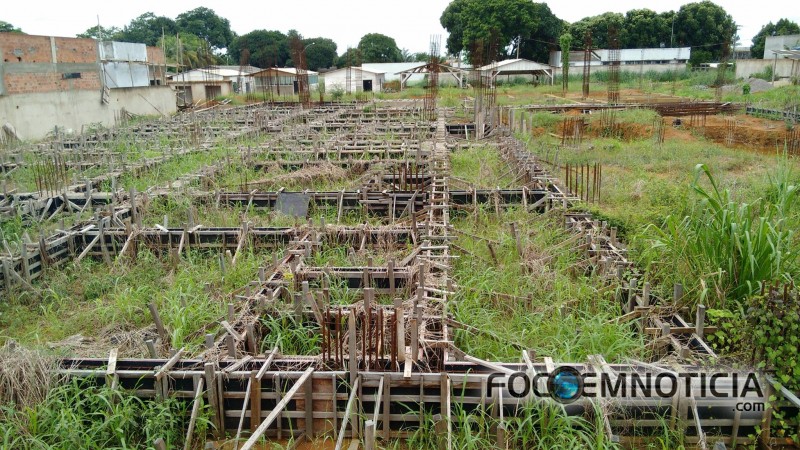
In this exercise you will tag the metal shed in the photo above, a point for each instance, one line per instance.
(517, 67)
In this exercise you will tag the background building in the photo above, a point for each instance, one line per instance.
(48, 82)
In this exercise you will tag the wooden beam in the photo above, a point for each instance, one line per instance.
(168, 365)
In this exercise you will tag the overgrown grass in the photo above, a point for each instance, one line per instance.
(293, 336)
(727, 247)
(108, 305)
(79, 415)
(481, 166)
(537, 308)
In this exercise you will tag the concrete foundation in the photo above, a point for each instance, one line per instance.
(34, 115)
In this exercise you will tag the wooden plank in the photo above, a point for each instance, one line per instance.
(242, 413)
(267, 363)
(489, 365)
(262, 428)
(168, 365)
(213, 400)
(229, 328)
(111, 369)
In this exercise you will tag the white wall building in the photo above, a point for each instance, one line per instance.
(354, 79)
(788, 42)
(630, 58)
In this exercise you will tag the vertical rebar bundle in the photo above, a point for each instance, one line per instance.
(587, 62)
(730, 131)
(613, 69)
(572, 132)
(584, 180)
(299, 59)
(608, 124)
(793, 141)
(50, 175)
(659, 130)
(432, 89)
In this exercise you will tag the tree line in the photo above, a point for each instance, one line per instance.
(200, 37)
(496, 29)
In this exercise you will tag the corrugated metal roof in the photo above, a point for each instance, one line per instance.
(290, 71)
(519, 64)
(356, 69)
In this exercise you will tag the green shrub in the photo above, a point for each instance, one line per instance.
(728, 246)
(81, 415)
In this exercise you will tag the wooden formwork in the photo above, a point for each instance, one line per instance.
(383, 368)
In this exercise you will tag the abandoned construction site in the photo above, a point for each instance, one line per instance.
(407, 270)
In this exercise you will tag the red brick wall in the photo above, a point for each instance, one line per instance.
(27, 83)
(155, 55)
(76, 50)
(22, 48)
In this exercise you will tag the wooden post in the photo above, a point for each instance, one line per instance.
(677, 292)
(309, 399)
(369, 435)
(516, 238)
(390, 267)
(251, 338)
(162, 332)
(352, 348)
(413, 326)
(159, 444)
(699, 321)
(209, 341)
(230, 344)
(151, 348)
(213, 400)
(255, 400)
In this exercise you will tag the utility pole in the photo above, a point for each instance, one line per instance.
(672, 34)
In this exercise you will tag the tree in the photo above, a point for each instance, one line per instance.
(351, 57)
(419, 57)
(267, 48)
(782, 28)
(645, 28)
(147, 29)
(566, 42)
(206, 24)
(379, 48)
(706, 27)
(101, 33)
(525, 28)
(599, 26)
(188, 50)
(537, 43)
(320, 53)
(6, 27)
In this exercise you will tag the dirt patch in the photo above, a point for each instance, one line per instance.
(317, 172)
(595, 129)
(748, 132)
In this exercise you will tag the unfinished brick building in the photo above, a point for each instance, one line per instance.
(48, 82)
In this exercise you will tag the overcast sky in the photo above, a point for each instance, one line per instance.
(410, 22)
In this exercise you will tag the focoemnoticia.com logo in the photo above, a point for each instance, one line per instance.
(566, 384)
